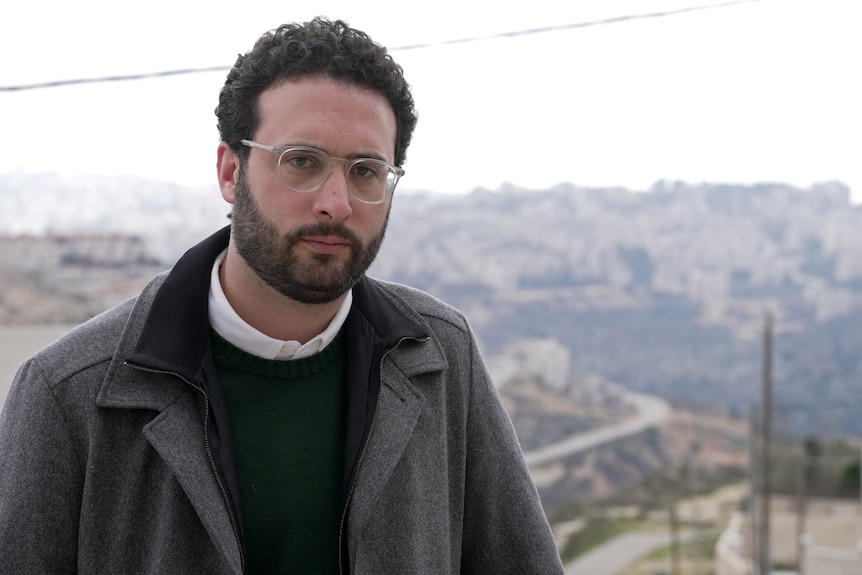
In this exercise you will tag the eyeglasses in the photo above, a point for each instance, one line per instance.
(303, 169)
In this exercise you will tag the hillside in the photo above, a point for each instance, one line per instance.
(662, 291)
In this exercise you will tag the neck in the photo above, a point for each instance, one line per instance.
(267, 310)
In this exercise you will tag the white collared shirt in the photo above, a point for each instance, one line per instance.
(234, 329)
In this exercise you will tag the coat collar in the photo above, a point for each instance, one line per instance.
(168, 329)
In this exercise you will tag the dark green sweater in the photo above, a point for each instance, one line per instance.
(287, 419)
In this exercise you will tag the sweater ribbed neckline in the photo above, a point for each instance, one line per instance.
(229, 356)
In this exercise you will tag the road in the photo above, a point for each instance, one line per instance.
(617, 554)
(652, 410)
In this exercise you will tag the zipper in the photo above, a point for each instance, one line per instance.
(361, 457)
(213, 467)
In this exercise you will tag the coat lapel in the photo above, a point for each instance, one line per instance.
(177, 436)
(398, 410)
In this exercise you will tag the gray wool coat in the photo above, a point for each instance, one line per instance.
(113, 458)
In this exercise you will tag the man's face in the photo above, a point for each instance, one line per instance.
(312, 247)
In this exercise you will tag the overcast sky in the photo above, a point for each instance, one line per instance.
(763, 90)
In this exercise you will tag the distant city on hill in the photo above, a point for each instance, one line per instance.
(663, 291)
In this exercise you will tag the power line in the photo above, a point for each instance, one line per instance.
(602, 22)
(513, 34)
(117, 78)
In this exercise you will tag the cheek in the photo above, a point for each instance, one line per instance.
(375, 220)
(281, 205)
(262, 177)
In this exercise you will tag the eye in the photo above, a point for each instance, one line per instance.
(366, 170)
(300, 160)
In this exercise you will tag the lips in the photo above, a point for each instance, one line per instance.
(326, 244)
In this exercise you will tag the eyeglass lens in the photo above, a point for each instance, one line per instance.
(303, 170)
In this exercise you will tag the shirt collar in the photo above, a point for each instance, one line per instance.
(234, 329)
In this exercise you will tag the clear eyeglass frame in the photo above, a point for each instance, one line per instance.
(394, 173)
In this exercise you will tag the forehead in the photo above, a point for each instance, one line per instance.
(328, 114)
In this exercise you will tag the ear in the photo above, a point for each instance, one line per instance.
(228, 171)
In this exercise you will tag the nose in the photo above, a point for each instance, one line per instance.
(332, 200)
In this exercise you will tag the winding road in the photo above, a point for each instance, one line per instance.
(651, 410)
(613, 556)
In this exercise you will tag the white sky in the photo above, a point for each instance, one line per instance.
(765, 90)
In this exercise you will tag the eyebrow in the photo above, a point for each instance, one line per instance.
(355, 156)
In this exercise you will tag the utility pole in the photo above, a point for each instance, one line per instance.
(766, 439)
(802, 512)
(674, 538)
(753, 486)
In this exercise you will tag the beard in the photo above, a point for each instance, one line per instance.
(273, 256)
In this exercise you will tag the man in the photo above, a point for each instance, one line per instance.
(264, 407)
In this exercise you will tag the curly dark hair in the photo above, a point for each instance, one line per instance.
(317, 48)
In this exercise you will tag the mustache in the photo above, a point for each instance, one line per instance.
(325, 229)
